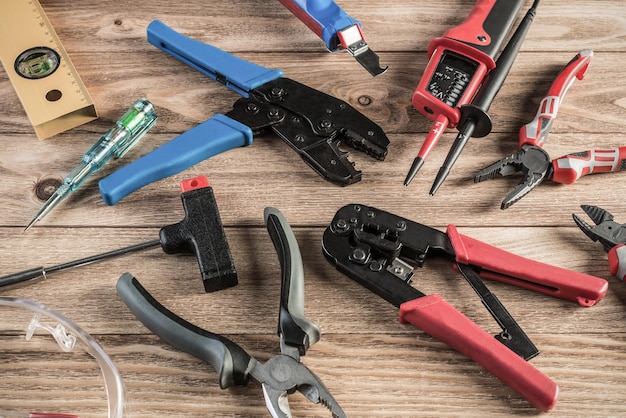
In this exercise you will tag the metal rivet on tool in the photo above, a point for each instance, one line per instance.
(300, 138)
(333, 162)
(273, 113)
(341, 225)
(358, 255)
(401, 225)
(325, 124)
(376, 266)
(45, 188)
(357, 208)
(371, 214)
(252, 108)
(482, 38)
(277, 92)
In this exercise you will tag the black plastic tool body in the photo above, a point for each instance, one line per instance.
(201, 233)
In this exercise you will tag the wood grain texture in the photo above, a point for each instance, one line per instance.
(374, 366)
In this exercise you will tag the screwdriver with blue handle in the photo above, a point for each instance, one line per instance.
(116, 142)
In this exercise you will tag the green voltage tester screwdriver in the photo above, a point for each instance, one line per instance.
(116, 142)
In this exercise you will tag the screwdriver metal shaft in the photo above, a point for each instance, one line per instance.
(43, 272)
(116, 142)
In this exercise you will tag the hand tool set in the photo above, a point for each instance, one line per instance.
(375, 248)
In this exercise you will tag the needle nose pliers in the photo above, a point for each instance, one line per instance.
(282, 374)
(534, 162)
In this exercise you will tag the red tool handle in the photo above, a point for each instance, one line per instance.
(569, 168)
(503, 266)
(536, 131)
(617, 261)
(435, 316)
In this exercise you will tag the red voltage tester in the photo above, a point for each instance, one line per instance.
(459, 62)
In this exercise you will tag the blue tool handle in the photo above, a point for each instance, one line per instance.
(235, 73)
(216, 135)
(324, 17)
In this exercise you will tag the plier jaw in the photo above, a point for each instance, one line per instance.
(532, 161)
(351, 39)
(608, 232)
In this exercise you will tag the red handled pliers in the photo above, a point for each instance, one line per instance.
(534, 162)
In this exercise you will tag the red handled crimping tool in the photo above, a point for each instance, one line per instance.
(337, 29)
(461, 62)
(610, 234)
(379, 250)
(534, 162)
(279, 376)
(312, 123)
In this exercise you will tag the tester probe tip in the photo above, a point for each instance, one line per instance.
(418, 162)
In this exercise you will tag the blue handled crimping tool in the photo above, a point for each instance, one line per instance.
(337, 29)
(312, 123)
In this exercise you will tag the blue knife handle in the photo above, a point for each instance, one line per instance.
(235, 73)
(216, 135)
(324, 17)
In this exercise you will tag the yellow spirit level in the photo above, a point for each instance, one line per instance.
(52, 93)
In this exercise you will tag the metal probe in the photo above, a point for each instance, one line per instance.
(116, 142)
(43, 272)
(475, 115)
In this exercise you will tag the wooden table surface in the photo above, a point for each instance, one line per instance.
(372, 364)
